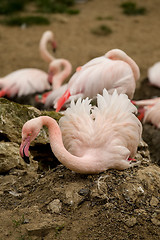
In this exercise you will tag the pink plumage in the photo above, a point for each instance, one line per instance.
(91, 139)
(149, 110)
(154, 74)
(59, 70)
(114, 70)
(29, 80)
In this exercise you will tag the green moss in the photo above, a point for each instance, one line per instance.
(130, 8)
(28, 20)
(102, 30)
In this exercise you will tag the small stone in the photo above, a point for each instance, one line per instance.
(55, 206)
(84, 192)
(39, 229)
(154, 201)
(130, 221)
(155, 221)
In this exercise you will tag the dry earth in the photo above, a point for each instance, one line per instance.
(116, 204)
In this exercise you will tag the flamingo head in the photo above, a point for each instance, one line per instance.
(30, 131)
(63, 99)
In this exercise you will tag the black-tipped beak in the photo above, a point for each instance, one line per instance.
(24, 149)
(25, 158)
(54, 50)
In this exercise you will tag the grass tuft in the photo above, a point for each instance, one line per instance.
(29, 20)
(102, 30)
(130, 8)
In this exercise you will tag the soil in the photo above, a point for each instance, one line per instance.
(103, 206)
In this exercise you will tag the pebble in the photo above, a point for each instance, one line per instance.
(130, 221)
(55, 206)
(84, 192)
(154, 201)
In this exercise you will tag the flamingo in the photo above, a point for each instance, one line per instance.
(47, 37)
(149, 110)
(114, 70)
(59, 70)
(154, 74)
(29, 80)
(88, 139)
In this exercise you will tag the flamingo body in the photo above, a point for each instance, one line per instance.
(29, 80)
(24, 81)
(91, 140)
(154, 74)
(114, 70)
(149, 110)
(152, 114)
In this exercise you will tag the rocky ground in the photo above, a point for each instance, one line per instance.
(46, 201)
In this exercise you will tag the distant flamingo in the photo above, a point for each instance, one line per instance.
(29, 80)
(154, 74)
(90, 140)
(114, 70)
(59, 70)
(47, 37)
(149, 110)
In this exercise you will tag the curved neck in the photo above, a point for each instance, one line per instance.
(62, 69)
(46, 56)
(74, 163)
(117, 54)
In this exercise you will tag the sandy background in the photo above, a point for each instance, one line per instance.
(138, 36)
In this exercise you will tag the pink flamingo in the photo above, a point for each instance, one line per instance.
(29, 80)
(90, 140)
(47, 37)
(149, 110)
(154, 74)
(114, 70)
(59, 70)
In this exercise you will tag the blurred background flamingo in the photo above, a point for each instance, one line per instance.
(59, 70)
(149, 110)
(29, 80)
(91, 140)
(154, 74)
(114, 70)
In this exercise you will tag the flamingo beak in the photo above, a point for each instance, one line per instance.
(24, 148)
(63, 99)
(133, 102)
(54, 46)
(141, 112)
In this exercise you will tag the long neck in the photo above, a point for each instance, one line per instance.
(46, 56)
(77, 164)
(117, 54)
(61, 75)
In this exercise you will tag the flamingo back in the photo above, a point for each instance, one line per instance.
(111, 127)
(102, 73)
(25, 81)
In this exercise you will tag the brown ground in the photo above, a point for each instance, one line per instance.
(90, 216)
